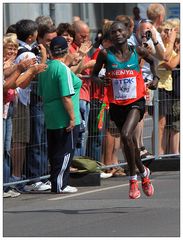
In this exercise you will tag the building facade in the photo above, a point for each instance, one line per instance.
(91, 13)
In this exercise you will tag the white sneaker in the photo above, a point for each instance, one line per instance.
(105, 175)
(69, 189)
(38, 186)
(13, 193)
(48, 183)
(6, 195)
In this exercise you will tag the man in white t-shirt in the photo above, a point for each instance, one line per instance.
(147, 36)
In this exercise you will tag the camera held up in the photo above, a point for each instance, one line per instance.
(36, 50)
(148, 35)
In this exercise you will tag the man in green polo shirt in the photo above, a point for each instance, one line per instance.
(60, 88)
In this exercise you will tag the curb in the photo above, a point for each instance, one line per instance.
(164, 164)
(85, 179)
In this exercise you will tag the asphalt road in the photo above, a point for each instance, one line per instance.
(101, 211)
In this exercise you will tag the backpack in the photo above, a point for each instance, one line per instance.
(85, 164)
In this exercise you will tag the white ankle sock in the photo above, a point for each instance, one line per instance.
(144, 174)
(133, 177)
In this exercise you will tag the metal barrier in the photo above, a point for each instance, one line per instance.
(27, 165)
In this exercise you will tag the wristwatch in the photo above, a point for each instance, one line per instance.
(155, 76)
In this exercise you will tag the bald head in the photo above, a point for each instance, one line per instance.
(82, 32)
(142, 28)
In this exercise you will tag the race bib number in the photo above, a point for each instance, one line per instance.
(124, 88)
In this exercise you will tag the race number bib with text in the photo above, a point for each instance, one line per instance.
(124, 88)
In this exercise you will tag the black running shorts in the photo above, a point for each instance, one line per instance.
(118, 113)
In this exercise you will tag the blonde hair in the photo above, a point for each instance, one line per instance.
(155, 10)
(177, 37)
(175, 22)
(165, 25)
(10, 38)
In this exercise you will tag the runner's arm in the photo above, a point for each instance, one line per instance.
(100, 62)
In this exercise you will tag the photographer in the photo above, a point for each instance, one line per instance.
(148, 37)
(151, 39)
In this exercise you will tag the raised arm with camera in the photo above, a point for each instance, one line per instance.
(150, 38)
(144, 54)
(160, 53)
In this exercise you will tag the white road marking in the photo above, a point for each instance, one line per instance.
(88, 192)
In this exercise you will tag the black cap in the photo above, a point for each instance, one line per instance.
(58, 44)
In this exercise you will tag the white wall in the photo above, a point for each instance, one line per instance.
(24, 10)
(63, 13)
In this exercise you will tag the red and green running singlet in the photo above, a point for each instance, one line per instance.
(127, 82)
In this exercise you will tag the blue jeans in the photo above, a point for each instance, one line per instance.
(37, 160)
(82, 139)
(7, 137)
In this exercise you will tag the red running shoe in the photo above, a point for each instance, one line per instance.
(147, 186)
(134, 191)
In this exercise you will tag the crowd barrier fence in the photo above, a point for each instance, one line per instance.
(170, 108)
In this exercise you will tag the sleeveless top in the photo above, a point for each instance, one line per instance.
(127, 82)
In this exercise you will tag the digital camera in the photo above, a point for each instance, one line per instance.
(148, 35)
(36, 50)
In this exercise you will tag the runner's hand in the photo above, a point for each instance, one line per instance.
(153, 84)
(107, 81)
